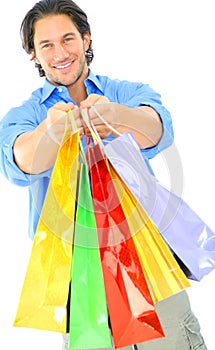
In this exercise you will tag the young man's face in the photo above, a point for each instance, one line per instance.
(60, 49)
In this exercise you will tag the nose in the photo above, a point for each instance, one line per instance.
(60, 53)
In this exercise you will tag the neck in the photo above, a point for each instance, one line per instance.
(78, 91)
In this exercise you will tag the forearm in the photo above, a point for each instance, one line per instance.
(143, 121)
(34, 151)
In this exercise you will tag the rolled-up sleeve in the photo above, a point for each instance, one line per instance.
(167, 135)
(139, 94)
(8, 167)
(17, 121)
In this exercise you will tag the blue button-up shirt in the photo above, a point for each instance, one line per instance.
(33, 111)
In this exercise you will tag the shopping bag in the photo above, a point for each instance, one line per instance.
(131, 309)
(88, 308)
(188, 236)
(44, 296)
(163, 274)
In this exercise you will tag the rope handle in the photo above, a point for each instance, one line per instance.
(95, 136)
(88, 122)
(105, 122)
(70, 115)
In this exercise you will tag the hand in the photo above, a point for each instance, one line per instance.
(57, 118)
(92, 100)
(102, 116)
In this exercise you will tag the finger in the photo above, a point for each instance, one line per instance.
(102, 99)
(76, 115)
(90, 100)
(93, 99)
(64, 106)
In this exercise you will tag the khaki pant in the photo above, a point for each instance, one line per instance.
(181, 328)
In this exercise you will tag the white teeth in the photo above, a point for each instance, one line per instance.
(65, 66)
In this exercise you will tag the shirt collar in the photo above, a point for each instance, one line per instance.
(93, 80)
(90, 82)
(47, 90)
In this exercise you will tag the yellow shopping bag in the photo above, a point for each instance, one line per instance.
(44, 296)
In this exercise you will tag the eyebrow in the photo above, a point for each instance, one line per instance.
(64, 36)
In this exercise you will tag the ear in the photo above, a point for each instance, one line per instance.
(87, 38)
(34, 57)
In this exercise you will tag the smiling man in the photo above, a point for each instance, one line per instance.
(60, 49)
(57, 36)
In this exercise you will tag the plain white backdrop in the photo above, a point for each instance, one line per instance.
(167, 44)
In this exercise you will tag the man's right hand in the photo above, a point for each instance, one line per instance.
(57, 118)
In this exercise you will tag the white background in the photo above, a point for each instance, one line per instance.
(167, 44)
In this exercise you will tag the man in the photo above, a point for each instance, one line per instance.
(57, 36)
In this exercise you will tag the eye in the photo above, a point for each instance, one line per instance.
(46, 46)
(68, 39)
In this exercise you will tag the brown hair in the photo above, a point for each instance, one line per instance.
(44, 8)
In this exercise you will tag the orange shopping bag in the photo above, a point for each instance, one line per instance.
(163, 274)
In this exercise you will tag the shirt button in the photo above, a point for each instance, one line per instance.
(60, 89)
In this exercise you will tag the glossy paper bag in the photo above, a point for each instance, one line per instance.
(88, 308)
(163, 274)
(44, 296)
(185, 232)
(131, 309)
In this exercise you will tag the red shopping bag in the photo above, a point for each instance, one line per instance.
(131, 309)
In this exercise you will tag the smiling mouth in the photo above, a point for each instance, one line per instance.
(63, 66)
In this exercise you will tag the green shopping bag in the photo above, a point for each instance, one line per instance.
(88, 310)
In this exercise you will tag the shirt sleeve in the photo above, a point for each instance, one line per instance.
(138, 94)
(12, 125)
(167, 135)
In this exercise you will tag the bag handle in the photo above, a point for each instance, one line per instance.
(105, 122)
(88, 122)
(95, 136)
(70, 115)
